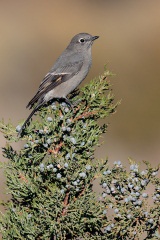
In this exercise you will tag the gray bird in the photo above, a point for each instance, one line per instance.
(67, 73)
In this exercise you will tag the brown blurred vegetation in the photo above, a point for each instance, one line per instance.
(34, 33)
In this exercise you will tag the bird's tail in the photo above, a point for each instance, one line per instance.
(29, 117)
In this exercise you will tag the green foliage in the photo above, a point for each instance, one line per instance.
(51, 177)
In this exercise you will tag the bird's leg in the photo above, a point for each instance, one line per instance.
(78, 101)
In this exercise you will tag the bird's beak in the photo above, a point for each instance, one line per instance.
(95, 37)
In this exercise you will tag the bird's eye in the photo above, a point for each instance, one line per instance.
(81, 40)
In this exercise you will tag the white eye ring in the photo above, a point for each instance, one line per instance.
(81, 40)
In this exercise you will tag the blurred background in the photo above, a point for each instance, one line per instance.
(33, 35)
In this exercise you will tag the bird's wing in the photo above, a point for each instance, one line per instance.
(54, 78)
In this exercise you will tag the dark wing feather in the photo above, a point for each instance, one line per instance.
(44, 88)
(54, 78)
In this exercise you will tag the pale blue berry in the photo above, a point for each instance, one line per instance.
(126, 200)
(88, 167)
(129, 216)
(104, 185)
(63, 128)
(41, 131)
(133, 167)
(45, 145)
(112, 189)
(108, 172)
(104, 195)
(123, 190)
(84, 125)
(82, 174)
(18, 128)
(154, 198)
(144, 195)
(59, 175)
(130, 185)
(66, 165)
(133, 193)
(64, 137)
(66, 109)
(49, 141)
(51, 165)
(104, 212)
(154, 173)
(139, 202)
(108, 228)
(108, 191)
(68, 129)
(114, 181)
(62, 191)
(67, 156)
(54, 169)
(75, 183)
(144, 182)
(116, 210)
(73, 140)
(144, 172)
(49, 119)
(146, 214)
(53, 106)
(130, 198)
(68, 120)
(133, 199)
(82, 143)
(41, 169)
(41, 165)
(137, 188)
(150, 221)
(26, 145)
(135, 179)
(137, 194)
(63, 104)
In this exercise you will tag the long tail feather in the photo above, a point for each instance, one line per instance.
(29, 117)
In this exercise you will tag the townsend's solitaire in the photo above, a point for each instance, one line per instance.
(67, 73)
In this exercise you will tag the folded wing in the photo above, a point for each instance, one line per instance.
(54, 78)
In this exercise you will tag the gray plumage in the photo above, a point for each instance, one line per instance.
(67, 73)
